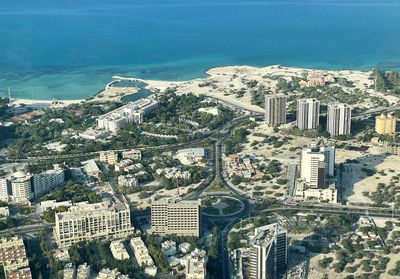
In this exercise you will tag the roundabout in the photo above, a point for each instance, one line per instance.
(223, 206)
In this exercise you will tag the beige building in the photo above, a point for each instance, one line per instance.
(13, 258)
(134, 154)
(141, 253)
(175, 216)
(118, 250)
(385, 124)
(85, 221)
(109, 157)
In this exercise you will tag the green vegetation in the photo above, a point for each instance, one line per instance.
(24, 210)
(234, 143)
(50, 214)
(74, 192)
(7, 223)
(217, 186)
(213, 264)
(386, 82)
(233, 205)
(153, 243)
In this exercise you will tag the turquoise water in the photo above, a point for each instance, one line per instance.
(70, 49)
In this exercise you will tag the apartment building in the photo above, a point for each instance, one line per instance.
(46, 181)
(316, 163)
(385, 124)
(13, 258)
(132, 112)
(140, 251)
(175, 216)
(339, 120)
(118, 250)
(12, 248)
(195, 264)
(109, 157)
(275, 109)
(21, 186)
(5, 189)
(134, 154)
(83, 271)
(127, 181)
(106, 273)
(307, 115)
(268, 256)
(86, 222)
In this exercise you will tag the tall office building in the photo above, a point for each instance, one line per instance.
(86, 222)
(339, 120)
(275, 109)
(307, 115)
(268, 256)
(385, 124)
(315, 164)
(175, 216)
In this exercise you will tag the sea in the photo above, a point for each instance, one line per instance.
(69, 49)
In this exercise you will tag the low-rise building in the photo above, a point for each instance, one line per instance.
(83, 271)
(184, 247)
(92, 134)
(109, 157)
(127, 181)
(69, 271)
(190, 156)
(141, 253)
(53, 204)
(106, 273)
(195, 264)
(118, 250)
(90, 168)
(134, 154)
(4, 211)
(169, 248)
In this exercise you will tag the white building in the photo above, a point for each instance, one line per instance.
(69, 271)
(106, 273)
(195, 264)
(53, 204)
(46, 181)
(83, 271)
(90, 167)
(307, 115)
(134, 154)
(91, 134)
(5, 189)
(118, 250)
(184, 247)
(21, 186)
(127, 181)
(211, 110)
(339, 120)
(169, 248)
(133, 112)
(315, 164)
(190, 156)
(140, 251)
(4, 211)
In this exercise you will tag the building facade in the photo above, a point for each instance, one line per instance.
(86, 222)
(140, 251)
(109, 157)
(175, 216)
(46, 181)
(134, 154)
(21, 186)
(268, 256)
(339, 120)
(385, 124)
(275, 109)
(118, 250)
(5, 189)
(133, 112)
(307, 115)
(316, 163)
(13, 258)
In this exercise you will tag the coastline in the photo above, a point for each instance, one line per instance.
(223, 83)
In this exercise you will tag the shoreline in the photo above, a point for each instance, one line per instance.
(215, 74)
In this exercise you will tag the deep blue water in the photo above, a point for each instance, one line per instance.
(71, 48)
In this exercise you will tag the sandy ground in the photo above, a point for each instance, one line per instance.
(355, 181)
(223, 82)
(33, 103)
